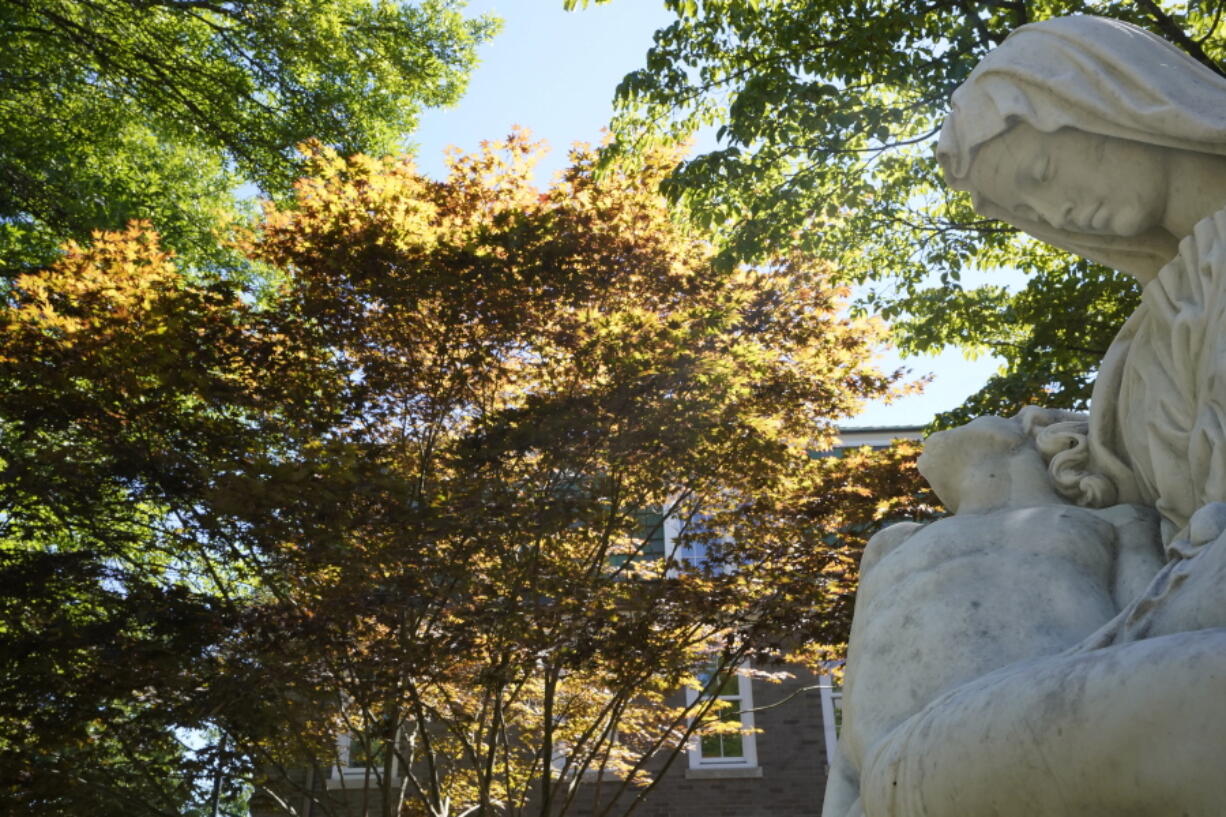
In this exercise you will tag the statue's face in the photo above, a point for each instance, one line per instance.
(1073, 181)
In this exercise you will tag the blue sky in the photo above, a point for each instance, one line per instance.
(554, 72)
(551, 71)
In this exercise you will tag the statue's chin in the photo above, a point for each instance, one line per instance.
(1128, 222)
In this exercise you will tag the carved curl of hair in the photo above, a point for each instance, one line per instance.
(1062, 439)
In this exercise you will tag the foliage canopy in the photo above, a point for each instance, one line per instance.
(116, 109)
(411, 493)
(537, 370)
(826, 111)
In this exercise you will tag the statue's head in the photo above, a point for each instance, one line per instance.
(1067, 129)
(983, 459)
(1042, 447)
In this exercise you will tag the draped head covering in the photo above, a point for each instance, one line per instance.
(1096, 75)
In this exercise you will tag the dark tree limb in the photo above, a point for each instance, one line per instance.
(1175, 33)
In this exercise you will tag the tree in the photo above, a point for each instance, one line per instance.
(128, 392)
(410, 493)
(117, 109)
(540, 381)
(826, 114)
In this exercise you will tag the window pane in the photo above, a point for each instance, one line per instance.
(723, 747)
(366, 754)
(728, 684)
(728, 746)
(734, 746)
(651, 533)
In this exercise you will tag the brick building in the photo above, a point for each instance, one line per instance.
(778, 772)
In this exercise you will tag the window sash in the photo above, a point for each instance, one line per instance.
(726, 750)
(369, 757)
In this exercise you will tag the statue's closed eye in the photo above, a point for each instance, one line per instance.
(1041, 170)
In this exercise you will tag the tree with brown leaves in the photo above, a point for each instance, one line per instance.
(418, 490)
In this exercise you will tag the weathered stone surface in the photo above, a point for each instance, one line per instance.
(1029, 657)
(1018, 573)
(1107, 140)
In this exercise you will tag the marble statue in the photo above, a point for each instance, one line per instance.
(1018, 572)
(1100, 690)
(1096, 96)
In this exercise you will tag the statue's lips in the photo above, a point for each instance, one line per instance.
(1096, 220)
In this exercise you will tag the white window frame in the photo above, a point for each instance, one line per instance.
(355, 777)
(832, 703)
(672, 532)
(749, 745)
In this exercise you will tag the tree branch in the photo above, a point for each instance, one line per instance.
(1175, 33)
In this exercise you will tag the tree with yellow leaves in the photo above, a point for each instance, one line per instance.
(436, 466)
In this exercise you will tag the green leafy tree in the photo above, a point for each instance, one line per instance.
(118, 109)
(128, 393)
(826, 113)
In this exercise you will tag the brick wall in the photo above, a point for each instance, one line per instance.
(789, 781)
